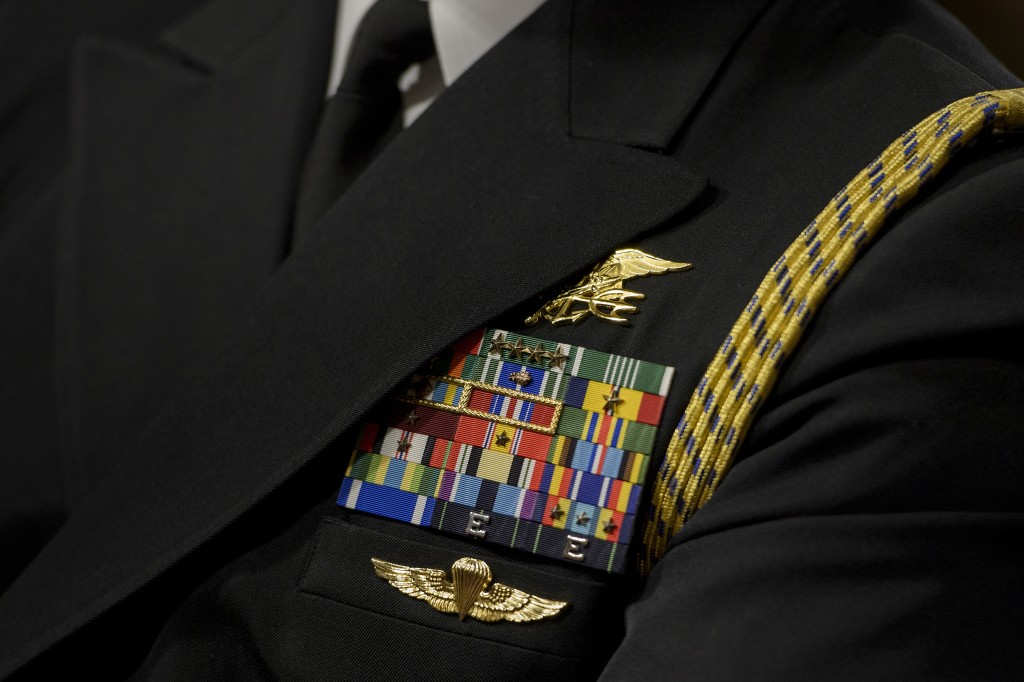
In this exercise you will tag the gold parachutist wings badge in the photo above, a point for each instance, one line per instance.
(601, 292)
(469, 592)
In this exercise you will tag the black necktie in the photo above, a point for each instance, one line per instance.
(365, 113)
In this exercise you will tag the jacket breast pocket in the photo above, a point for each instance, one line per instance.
(384, 634)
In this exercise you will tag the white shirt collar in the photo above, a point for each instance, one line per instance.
(463, 31)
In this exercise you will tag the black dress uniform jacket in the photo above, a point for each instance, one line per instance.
(178, 392)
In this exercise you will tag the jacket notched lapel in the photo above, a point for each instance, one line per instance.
(485, 203)
(182, 174)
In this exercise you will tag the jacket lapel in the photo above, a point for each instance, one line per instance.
(485, 203)
(183, 166)
(639, 97)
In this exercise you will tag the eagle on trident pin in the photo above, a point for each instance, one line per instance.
(601, 292)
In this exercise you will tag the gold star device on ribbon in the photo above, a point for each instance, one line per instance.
(470, 592)
(601, 292)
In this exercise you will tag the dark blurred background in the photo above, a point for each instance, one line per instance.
(997, 23)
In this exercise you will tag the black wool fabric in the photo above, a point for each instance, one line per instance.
(184, 391)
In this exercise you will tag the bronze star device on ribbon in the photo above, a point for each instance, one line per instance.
(513, 440)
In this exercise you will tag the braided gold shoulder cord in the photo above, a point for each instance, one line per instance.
(744, 370)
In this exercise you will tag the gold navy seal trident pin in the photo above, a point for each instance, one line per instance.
(601, 292)
(470, 592)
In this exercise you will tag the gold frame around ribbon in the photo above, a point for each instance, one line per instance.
(468, 385)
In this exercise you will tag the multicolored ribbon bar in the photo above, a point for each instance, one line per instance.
(515, 458)
(508, 531)
(513, 440)
(548, 485)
